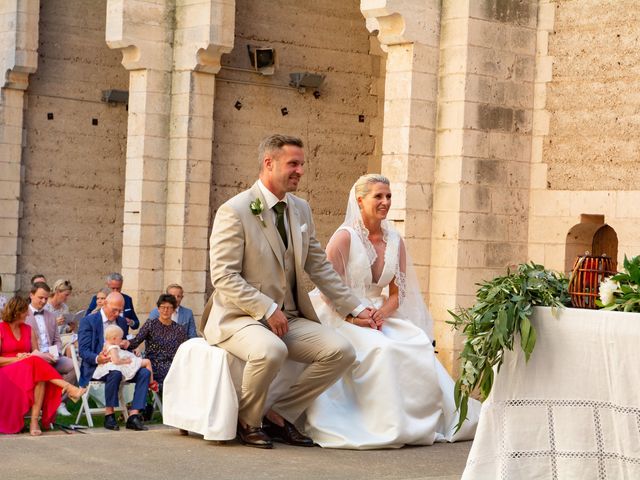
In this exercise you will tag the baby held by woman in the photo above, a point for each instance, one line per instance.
(124, 361)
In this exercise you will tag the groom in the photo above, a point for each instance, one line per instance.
(262, 242)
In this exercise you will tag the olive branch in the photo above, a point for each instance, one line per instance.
(502, 310)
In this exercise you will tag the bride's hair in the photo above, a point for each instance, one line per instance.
(361, 187)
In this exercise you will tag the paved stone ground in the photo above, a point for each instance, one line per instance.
(161, 453)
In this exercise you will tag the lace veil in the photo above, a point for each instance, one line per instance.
(411, 304)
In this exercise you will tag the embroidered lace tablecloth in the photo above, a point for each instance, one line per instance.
(572, 411)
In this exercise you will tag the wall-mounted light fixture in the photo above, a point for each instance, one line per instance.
(304, 80)
(115, 96)
(263, 59)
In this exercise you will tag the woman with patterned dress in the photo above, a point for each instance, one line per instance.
(27, 381)
(162, 337)
(396, 393)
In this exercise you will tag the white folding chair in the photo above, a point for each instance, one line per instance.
(157, 403)
(95, 389)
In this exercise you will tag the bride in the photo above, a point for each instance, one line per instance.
(397, 393)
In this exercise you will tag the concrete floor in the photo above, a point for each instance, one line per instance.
(161, 453)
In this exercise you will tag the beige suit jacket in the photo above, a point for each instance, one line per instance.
(51, 328)
(247, 266)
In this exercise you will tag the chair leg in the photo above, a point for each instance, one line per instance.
(157, 402)
(87, 410)
(123, 405)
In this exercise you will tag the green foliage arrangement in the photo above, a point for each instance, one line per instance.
(622, 291)
(502, 310)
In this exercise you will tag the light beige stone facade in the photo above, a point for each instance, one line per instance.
(73, 171)
(18, 59)
(584, 147)
(499, 123)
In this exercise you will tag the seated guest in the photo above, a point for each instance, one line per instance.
(182, 315)
(114, 284)
(48, 343)
(38, 277)
(91, 340)
(3, 299)
(126, 362)
(27, 380)
(57, 305)
(101, 296)
(162, 337)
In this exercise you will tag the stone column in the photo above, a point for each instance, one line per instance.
(485, 103)
(142, 31)
(408, 31)
(204, 31)
(18, 58)
(172, 49)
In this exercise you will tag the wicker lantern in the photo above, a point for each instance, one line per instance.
(587, 273)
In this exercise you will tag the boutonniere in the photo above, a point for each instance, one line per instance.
(256, 208)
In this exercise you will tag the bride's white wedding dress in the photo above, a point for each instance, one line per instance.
(397, 392)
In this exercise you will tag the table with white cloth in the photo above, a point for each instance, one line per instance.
(573, 410)
(200, 391)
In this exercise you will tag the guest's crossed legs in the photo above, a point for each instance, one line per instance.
(328, 354)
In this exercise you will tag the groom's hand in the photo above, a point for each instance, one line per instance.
(367, 316)
(278, 323)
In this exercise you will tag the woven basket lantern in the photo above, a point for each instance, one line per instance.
(587, 273)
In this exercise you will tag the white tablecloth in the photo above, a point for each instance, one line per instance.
(200, 392)
(572, 411)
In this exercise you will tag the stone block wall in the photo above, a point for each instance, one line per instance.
(584, 147)
(329, 38)
(485, 113)
(593, 96)
(73, 187)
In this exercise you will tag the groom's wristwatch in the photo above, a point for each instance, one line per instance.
(349, 318)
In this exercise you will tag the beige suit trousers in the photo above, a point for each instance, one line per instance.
(328, 354)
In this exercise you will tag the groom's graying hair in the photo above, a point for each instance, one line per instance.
(273, 143)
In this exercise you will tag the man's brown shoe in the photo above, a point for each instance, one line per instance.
(254, 437)
(287, 434)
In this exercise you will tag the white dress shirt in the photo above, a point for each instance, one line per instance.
(271, 200)
(43, 340)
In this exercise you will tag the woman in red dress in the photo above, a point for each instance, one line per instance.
(27, 380)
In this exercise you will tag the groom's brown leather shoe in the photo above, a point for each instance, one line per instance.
(287, 434)
(254, 437)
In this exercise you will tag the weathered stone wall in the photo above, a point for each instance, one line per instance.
(324, 37)
(584, 146)
(593, 96)
(485, 104)
(73, 170)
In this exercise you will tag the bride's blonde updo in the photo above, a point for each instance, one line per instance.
(361, 187)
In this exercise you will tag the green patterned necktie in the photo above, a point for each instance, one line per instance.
(279, 208)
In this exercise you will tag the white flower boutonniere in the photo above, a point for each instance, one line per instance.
(256, 208)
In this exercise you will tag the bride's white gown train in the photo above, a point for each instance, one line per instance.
(397, 392)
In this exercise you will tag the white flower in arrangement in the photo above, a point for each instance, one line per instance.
(607, 288)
